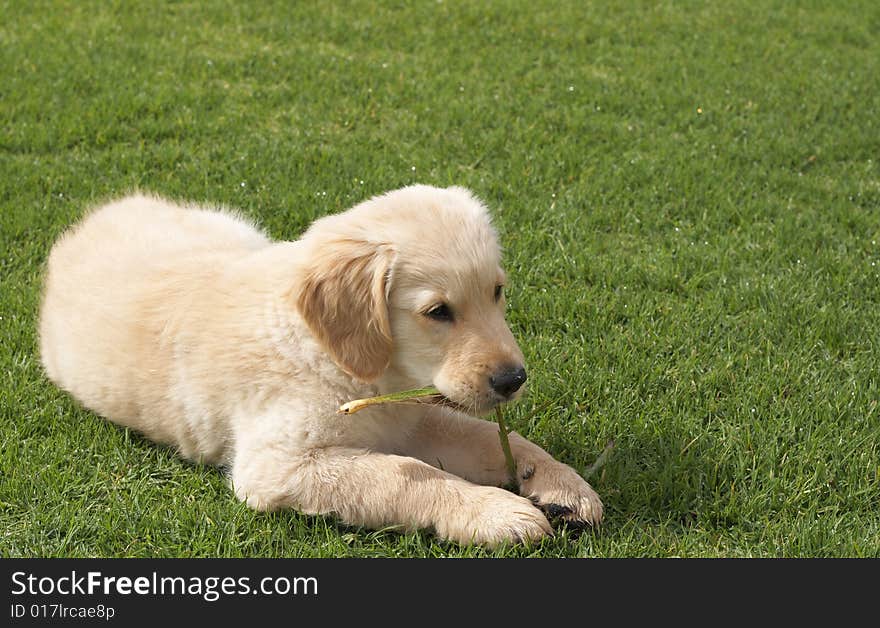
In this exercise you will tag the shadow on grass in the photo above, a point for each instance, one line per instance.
(644, 482)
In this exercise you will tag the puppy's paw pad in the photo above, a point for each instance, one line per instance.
(565, 498)
(552, 511)
(572, 510)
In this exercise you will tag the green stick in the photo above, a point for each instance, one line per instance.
(418, 395)
(503, 431)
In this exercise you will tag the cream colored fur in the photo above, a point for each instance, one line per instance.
(190, 326)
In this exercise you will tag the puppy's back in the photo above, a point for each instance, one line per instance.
(109, 280)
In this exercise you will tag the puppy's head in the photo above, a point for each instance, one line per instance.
(408, 287)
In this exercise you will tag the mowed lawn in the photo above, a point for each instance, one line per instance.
(688, 196)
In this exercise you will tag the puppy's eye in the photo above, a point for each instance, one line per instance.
(440, 312)
(499, 291)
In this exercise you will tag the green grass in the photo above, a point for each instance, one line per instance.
(689, 199)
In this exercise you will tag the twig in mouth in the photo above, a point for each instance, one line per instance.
(428, 394)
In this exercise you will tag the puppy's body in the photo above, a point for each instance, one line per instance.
(176, 322)
(192, 327)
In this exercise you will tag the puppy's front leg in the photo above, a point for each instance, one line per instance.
(376, 490)
(469, 448)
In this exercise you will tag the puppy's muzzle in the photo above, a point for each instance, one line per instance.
(507, 381)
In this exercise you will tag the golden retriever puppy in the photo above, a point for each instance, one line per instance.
(190, 326)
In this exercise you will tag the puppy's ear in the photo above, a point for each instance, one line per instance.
(342, 298)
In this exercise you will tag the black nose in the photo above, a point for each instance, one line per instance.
(508, 380)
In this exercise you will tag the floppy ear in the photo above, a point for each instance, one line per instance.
(342, 299)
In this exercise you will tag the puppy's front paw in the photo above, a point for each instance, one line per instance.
(492, 517)
(563, 495)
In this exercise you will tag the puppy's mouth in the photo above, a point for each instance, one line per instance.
(440, 399)
(474, 407)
